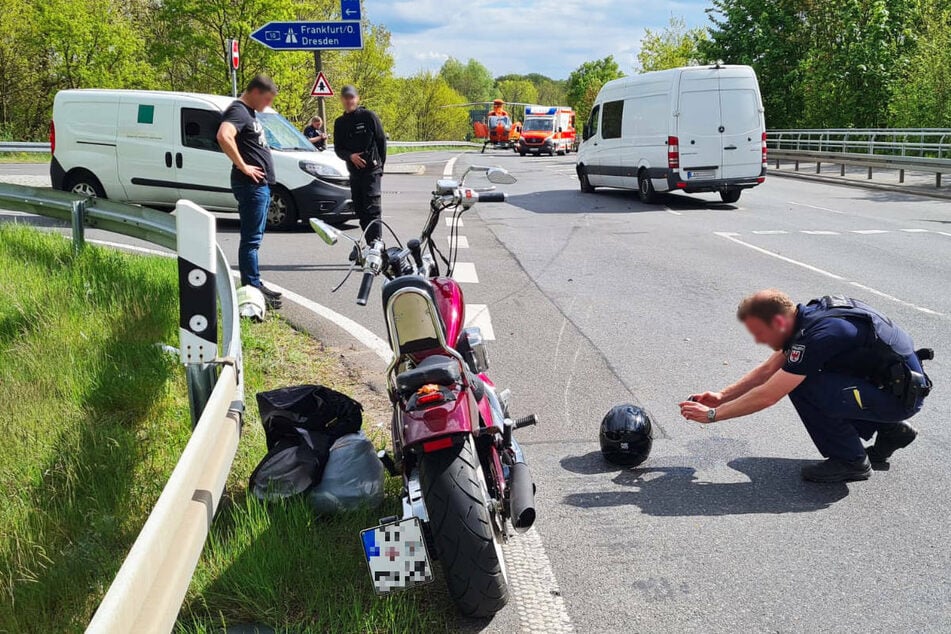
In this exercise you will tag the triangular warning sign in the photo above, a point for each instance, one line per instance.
(321, 87)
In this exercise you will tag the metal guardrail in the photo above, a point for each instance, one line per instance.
(24, 146)
(150, 586)
(912, 149)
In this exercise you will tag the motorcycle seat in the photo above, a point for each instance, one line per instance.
(437, 369)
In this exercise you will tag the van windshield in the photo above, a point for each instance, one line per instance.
(282, 135)
(539, 125)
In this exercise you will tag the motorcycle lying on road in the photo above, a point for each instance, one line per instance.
(464, 476)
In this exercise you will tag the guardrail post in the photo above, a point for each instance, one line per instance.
(870, 173)
(818, 167)
(842, 170)
(78, 214)
(198, 310)
(937, 179)
(901, 176)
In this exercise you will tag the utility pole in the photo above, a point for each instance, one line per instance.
(318, 68)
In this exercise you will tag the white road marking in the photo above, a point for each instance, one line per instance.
(130, 247)
(454, 221)
(944, 233)
(915, 230)
(820, 233)
(671, 211)
(465, 273)
(869, 232)
(462, 242)
(732, 237)
(478, 315)
(773, 232)
(450, 164)
(835, 211)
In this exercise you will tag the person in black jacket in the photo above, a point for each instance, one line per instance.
(360, 141)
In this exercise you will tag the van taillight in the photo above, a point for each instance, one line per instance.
(765, 151)
(52, 137)
(673, 152)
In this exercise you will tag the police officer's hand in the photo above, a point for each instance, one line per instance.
(692, 410)
(710, 399)
(357, 160)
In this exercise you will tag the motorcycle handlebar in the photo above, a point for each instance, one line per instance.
(365, 285)
(492, 197)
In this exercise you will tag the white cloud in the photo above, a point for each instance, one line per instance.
(522, 36)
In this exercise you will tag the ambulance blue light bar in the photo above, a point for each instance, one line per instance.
(540, 110)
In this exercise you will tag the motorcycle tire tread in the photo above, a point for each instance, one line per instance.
(462, 531)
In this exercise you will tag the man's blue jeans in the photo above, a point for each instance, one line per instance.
(253, 201)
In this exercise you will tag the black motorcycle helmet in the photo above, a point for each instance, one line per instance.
(626, 435)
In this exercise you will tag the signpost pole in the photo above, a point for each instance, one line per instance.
(319, 68)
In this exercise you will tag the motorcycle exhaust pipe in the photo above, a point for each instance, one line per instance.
(522, 497)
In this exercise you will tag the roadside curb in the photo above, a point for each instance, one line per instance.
(838, 180)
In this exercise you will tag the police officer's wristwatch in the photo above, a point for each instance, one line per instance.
(711, 415)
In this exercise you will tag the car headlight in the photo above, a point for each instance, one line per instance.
(549, 139)
(320, 170)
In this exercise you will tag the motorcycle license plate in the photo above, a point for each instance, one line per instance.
(396, 555)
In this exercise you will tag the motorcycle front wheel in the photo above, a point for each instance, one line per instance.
(462, 530)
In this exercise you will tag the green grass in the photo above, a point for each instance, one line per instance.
(93, 418)
(25, 157)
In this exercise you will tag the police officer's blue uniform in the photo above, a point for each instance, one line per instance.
(857, 364)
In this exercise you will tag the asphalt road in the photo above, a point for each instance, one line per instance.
(597, 299)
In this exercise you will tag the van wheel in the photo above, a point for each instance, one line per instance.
(84, 183)
(282, 213)
(586, 185)
(645, 189)
(730, 195)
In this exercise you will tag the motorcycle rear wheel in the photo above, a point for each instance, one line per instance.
(462, 530)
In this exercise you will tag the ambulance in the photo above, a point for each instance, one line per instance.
(547, 130)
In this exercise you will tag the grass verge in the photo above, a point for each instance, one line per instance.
(390, 150)
(25, 157)
(94, 416)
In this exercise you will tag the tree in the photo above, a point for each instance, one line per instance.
(674, 46)
(423, 115)
(472, 79)
(923, 96)
(550, 91)
(518, 90)
(585, 81)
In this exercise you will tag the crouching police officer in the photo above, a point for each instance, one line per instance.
(849, 371)
(360, 141)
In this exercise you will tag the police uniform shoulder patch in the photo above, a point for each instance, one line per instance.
(796, 353)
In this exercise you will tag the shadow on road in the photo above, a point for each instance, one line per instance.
(607, 201)
(774, 487)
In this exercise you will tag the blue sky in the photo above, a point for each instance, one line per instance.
(551, 37)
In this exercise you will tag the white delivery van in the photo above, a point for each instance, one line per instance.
(153, 148)
(693, 129)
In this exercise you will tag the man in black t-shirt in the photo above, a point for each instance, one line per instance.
(315, 133)
(360, 141)
(242, 137)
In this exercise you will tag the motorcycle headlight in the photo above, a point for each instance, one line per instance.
(320, 170)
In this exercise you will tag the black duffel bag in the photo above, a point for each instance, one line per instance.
(300, 424)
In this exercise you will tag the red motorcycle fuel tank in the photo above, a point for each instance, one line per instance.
(451, 306)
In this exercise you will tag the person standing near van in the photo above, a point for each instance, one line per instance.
(315, 133)
(241, 137)
(360, 141)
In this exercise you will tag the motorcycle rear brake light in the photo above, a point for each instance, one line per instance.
(436, 445)
(428, 399)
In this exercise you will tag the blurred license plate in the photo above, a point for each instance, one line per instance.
(396, 555)
(698, 174)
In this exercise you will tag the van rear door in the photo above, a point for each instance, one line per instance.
(145, 146)
(698, 126)
(742, 120)
(204, 171)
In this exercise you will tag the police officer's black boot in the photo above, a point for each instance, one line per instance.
(835, 470)
(890, 439)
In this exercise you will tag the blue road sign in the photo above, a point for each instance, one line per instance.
(350, 9)
(310, 36)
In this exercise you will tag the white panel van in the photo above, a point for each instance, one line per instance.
(693, 129)
(153, 148)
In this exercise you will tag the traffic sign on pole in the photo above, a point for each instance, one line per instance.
(350, 10)
(235, 55)
(321, 87)
(310, 36)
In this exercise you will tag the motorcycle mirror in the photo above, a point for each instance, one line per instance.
(327, 233)
(500, 176)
